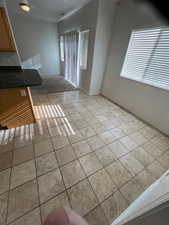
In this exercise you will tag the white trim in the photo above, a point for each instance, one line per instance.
(156, 195)
(149, 28)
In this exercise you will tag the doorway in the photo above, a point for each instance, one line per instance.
(71, 43)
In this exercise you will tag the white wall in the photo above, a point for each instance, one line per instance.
(84, 19)
(102, 40)
(37, 42)
(147, 102)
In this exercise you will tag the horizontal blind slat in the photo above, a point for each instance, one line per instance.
(147, 57)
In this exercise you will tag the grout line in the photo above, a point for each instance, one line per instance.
(9, 191)
(86, 178)
(19, 217)
(77, 158)
(65, 190)
(37, 184)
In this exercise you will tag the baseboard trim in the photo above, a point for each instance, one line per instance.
(125, 109)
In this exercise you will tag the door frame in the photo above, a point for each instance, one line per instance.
(78, 68)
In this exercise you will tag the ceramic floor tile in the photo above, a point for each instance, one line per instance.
(65, 155)
(131, 190)
(46, 163)
(102, 184)
(128, 143)
(80, 123)
(42, 135)
(82, 198)
(6, 147)
(99, 128)
(118, 149)
(91, 119)
(105, 156)
(156, 169)
(101, 117)
(30, 218)
(107, 137)
(118, 173)
(4, 180)
(145, 179)
(72, 173)
(118, 132)
(50, 185)
(54, 131)
(161, 142)
(22, 199)
(75, 116)
(23, 173)
(126, 128)
(142, 156)
(95, 142)
(59, 142)
(90, 163)
(97, 217)
(114, 206)
(130, 163)
(149, 132)
(22, 141)
(22, 155)
(87, 132)
(138, 138)
(110, 124)
(5, 160)
(81, 148)
(43, 147)
(60, 201)
(79, 119)
(3, 208)
(76, 137)
(152, 149)
(164, 160)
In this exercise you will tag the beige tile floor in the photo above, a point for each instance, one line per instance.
(85, 153)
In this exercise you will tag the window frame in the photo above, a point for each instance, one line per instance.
(142, 81)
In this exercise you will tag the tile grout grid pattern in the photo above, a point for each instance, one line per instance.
(84, 152)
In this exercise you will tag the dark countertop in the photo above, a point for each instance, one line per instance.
(14, 77)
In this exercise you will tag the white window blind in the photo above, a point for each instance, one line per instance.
(147, 57)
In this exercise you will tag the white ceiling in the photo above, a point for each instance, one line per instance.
(50, 10)
(58, 5)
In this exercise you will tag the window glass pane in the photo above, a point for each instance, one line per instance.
(62, 48)
(84, 41)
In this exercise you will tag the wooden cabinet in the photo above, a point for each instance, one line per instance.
(6, 39)
(16, 108)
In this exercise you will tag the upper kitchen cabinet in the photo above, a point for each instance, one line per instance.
(6, 39)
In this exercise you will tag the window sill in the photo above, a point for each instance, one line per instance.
(146, 83)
